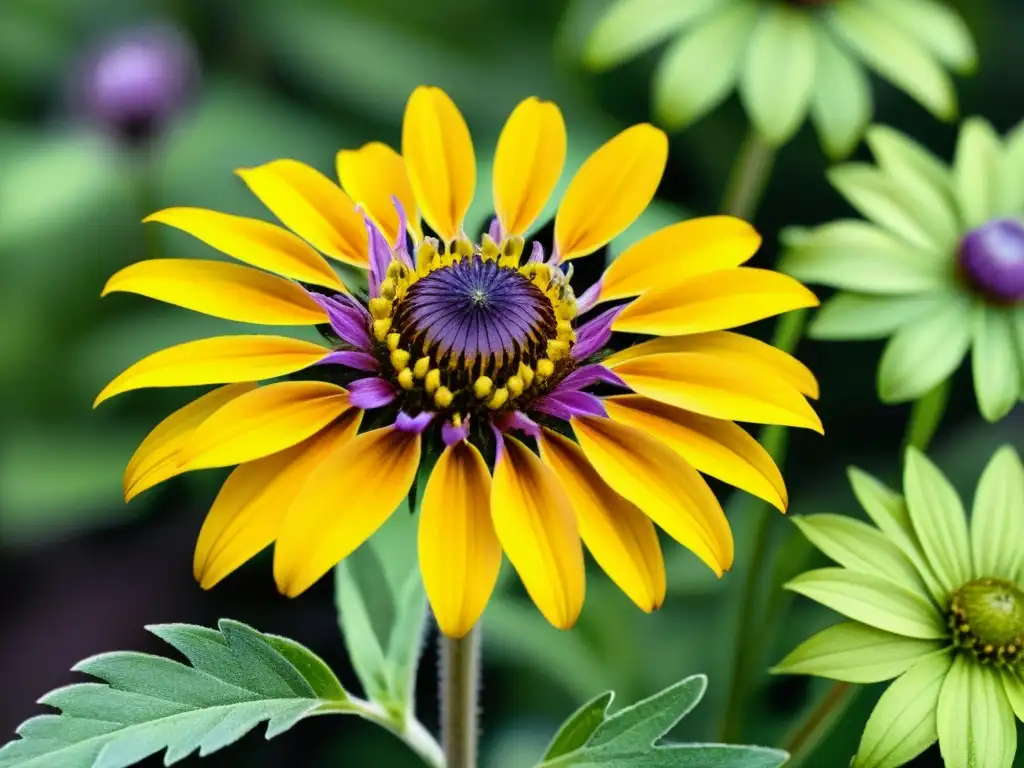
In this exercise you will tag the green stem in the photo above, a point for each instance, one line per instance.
(925, 416)
(749, 177)
(144, 190)
(460, 685)
(409, 729)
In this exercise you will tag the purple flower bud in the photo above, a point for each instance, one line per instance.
(134, 84)
(992, 259)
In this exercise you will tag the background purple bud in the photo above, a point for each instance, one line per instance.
(992, 259)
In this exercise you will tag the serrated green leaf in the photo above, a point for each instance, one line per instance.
(936, 26)
(639, 726)
(852, 316)
(997, 517)
(976, 171)
(683, 756)
(238, 679)
(630, 27)
(580, 726)
(842, 103)
(975, 720)
(997, 372)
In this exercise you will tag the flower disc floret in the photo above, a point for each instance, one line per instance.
(986, 617)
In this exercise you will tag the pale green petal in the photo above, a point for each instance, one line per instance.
(699, 70)
(939, 520)
(857, 256)
(872, 600)
(888, 510)
(860, 547)
(776, 82)
(1012, 203)
(1018, 333)
(1014, 688)
(976, 170)
(974, 718)
(852, 316)
(885, 202)
(902, 724)
(937, 26)
(630, 27)
(841, 104)
(997, 517)
(997, 374)
(897, 57)
(925, 352)
(855, 653)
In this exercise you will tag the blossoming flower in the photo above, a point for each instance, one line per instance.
(460, 351)
(788, 59)
(934, 603)
(940, 266)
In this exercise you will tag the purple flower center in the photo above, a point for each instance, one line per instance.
(992, 260)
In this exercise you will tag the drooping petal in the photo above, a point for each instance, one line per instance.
(997, 518)
(312, 206)
(712, 446)
(262, 422)
(371, 176)
(975, 720)
(594, 334)
(350, 358)
(349, 319)
(656, 479)
(565, 405)
(371, 392)
(534, 520)
(718, 387)
(439, 159)
(610, 190)
(587, 376)
(713, 302)
(218, 360)
(217, 288)
(254, 242)
(733, 346)
(459, 552)
(348, 497)
(246, 516)
(620, 537)
(155, 459)
(678, 252)
(527, 163)
(843, 102)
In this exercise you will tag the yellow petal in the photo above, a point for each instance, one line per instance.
(528, 163)
(621, 538)
(247, 513)
(713, 302)
(665, 488)
(262, 422)
(678, 252)
(712, 446)
(313, 207)
(439, 158)
(254, 242)
(219, 360)
(216, 288)
(349, 496)
(718, 387)
(733, 346)
(459, 552)
(371, 176)
(155, 460)
(610, 190)
(534, 521)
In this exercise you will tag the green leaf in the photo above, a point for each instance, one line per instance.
(778, 77)
(639, 726)
(902, 724)
(841, 104)
(997, 372)
(855, 653)
(1014, 687)
(926, 351)
(630, 27)
(580, 726)
(238, 679)
(976, 171)
(937, 27)
(939, 520)
(860, 547)
(851, 316)
(857, 256)
(682, 756)
(896, 56)
(715, 50)
(872, 600)
(975, 720)
(997, 517)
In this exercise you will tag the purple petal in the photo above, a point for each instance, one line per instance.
(370, 392)
(452, 434)
(595, 333)
(414, 424)
(536, 254)
(589, 298)
(349, 319)
(380, 256)
(519, 421)
(565, 405)
(499, 444)
(495, 230)
(350, 358)
(401, 249)
(587, 376)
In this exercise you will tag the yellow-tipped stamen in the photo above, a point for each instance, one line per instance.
(544, 368)
(400, 359)
(432, 381)
(393, 340)
(443, 397)
(498, 399)
(482, 387)
(381, 328)
(514, 386)
(380, 308)
(421, 367)
(405, 379)
(526, 374)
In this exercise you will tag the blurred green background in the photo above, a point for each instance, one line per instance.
(302, 79)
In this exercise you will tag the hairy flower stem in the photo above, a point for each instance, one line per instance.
(460, 685)
(749, 177)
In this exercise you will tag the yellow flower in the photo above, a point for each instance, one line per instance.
(471, 353)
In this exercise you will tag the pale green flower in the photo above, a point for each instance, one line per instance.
(788, 58)
(935, 603)
(940, 268)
